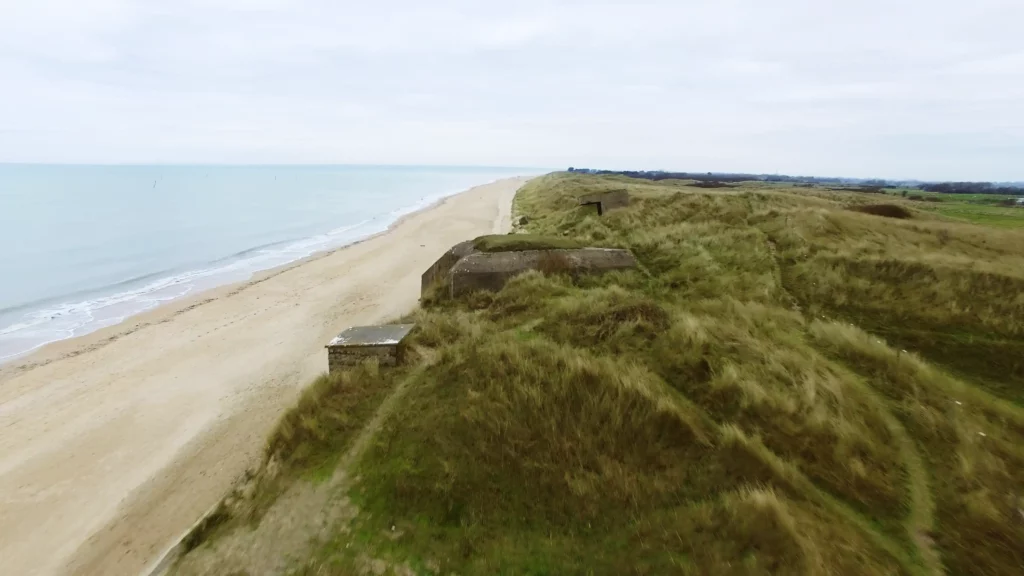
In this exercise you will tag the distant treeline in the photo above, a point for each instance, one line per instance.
(712, 176)
(1011, 188)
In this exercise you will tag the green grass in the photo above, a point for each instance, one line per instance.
(516, 242)
(984, 209)
(306, 443)
(989, 199)
(998, 216)
(784, 386)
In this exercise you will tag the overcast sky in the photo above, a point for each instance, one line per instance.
(930, 89)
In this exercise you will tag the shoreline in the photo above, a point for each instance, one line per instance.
(116, 441)
(75, 345)
(399, 215)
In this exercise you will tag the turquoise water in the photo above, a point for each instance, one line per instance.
(83, 247)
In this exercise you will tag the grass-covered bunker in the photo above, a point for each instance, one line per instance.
(490, 271)
(606, 201)
(488, 262)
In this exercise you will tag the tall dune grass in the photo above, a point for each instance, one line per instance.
(784, 386)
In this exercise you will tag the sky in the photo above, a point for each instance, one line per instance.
(928, 89)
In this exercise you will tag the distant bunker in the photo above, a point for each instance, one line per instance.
(605, 201)
(359, 343)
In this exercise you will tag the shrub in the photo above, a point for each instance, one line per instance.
(886, 210)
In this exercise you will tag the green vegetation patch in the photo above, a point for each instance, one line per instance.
(996, 216)
(327, 416)
(886, 210)
(305, 446)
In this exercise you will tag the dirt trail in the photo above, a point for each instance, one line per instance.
(113, 444)
(921, 519)
(296, 521)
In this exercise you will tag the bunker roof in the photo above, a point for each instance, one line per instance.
(387, 335)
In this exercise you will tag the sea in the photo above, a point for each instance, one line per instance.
(84, 247)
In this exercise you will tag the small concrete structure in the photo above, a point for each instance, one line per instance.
(359, 343)
(440, 269)
(606, 201)
(490, 271)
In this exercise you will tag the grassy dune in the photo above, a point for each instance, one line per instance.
(787, 385)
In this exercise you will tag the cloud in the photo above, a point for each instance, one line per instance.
(896, 88)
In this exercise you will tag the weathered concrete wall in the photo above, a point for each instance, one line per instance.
(339, 357)
(440, 269)
(490, 271)
(606, 201)
(358, 343)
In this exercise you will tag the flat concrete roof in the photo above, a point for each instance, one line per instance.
(386, 335)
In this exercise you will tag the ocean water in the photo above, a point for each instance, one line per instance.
(84, 247)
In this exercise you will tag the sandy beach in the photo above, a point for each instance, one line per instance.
(114, 443)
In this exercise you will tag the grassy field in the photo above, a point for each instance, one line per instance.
(985, 209)
(989, 199)
(997, 216)
(788, 384)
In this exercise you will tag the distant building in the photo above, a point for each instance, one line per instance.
(1020, 201)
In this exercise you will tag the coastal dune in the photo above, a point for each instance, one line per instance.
(113, 444)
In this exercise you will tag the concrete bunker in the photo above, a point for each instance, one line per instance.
(439, 270)
(605, 201)
(491, 271)
(359, 343)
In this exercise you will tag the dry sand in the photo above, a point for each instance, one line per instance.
(113, 444)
